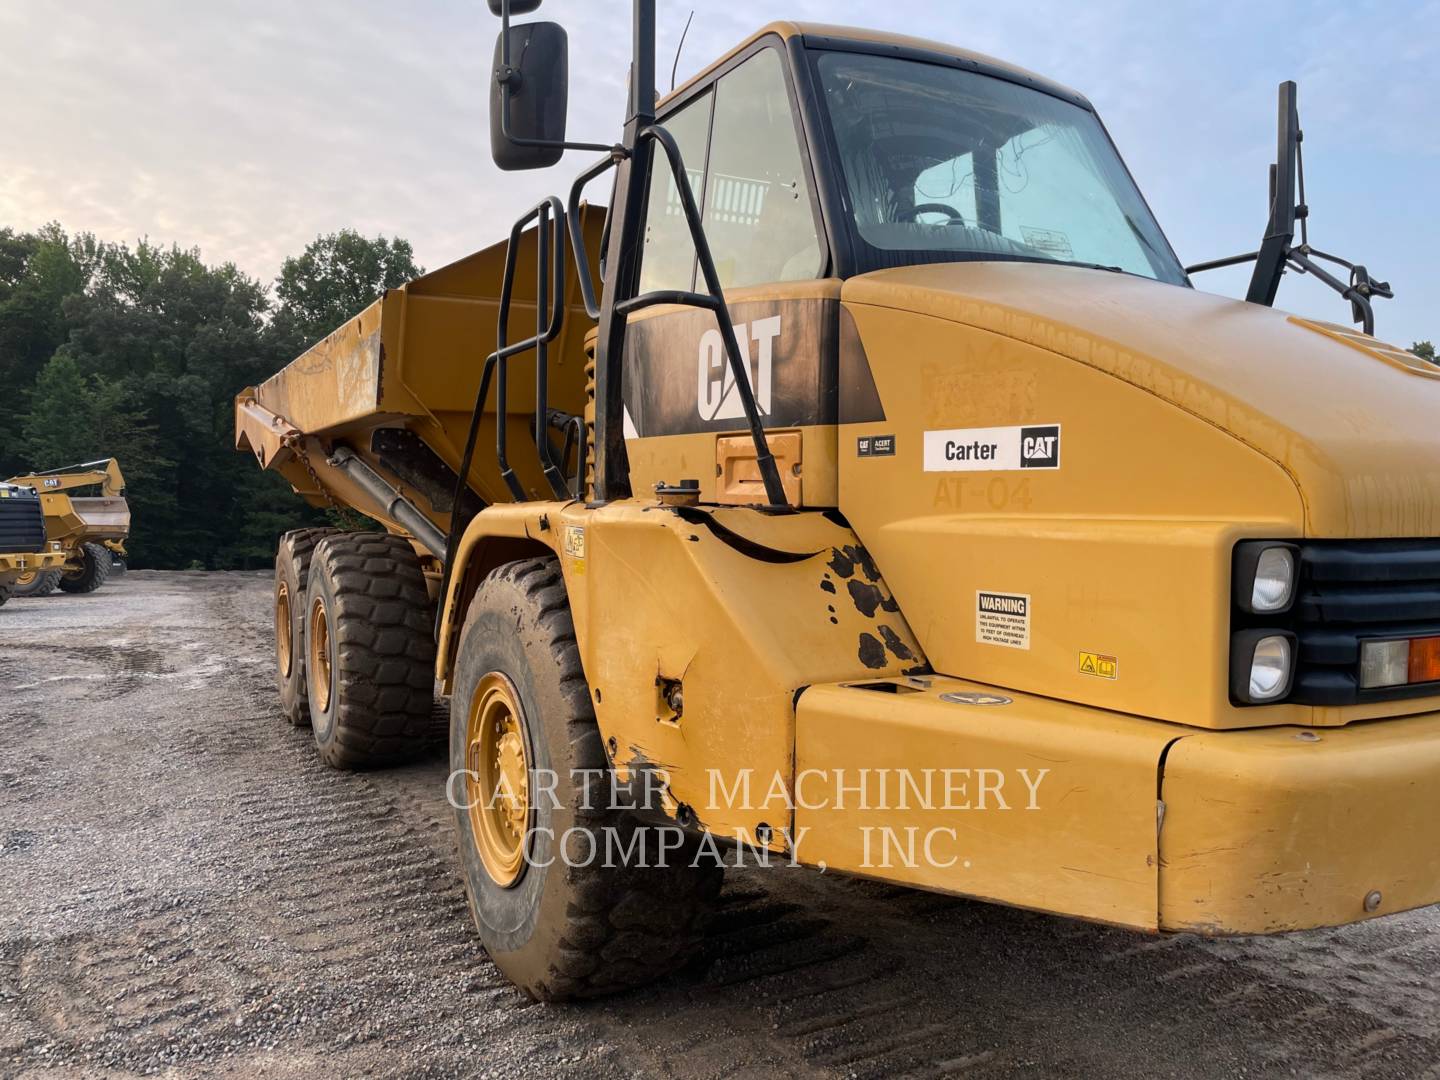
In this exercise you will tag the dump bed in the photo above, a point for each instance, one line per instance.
(103, 517)
(396, 385)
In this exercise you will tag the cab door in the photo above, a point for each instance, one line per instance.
(742, 143)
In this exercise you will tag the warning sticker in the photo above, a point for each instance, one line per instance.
(997, 449)
(1099, 665)
(575, 541)
(1002, 619)
(575, 547)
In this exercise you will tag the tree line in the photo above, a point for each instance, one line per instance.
(136, 352)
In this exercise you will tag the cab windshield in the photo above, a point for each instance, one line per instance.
(943, 164)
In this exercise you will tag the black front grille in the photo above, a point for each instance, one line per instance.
(1350, 591)
(22, 523)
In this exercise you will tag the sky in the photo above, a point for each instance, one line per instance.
(247, 127)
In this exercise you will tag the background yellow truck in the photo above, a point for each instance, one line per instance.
(895, 505)
(90, 530)
(24, 551)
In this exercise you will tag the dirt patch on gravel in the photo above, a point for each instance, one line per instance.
(185, 890)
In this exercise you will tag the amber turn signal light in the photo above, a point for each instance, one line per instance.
(1424, 659)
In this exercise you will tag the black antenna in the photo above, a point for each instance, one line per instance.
(676, 66)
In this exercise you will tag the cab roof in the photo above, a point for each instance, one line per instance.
(815, 33)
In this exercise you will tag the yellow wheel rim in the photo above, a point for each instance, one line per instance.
(284, 640)
(497, 779)
(26, 578)
(317, 639)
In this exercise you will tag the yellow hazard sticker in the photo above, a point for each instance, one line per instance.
(1099, 665)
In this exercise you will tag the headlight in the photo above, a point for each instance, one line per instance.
(1264, 576)
(1274, 580)
(1270, 668)
(1262, 665)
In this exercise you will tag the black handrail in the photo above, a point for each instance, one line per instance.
(554, 254)
(668, 296)
(575, 439)
(711, 300)
(548, 216)
(577, 229)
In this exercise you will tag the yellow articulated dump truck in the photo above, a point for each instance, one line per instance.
(24, 551)
(90, 530)
(868, 489)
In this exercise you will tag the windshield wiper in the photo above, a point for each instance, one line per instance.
(1148, 246)
(1095, 266)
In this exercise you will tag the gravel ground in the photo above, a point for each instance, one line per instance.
(185, 891)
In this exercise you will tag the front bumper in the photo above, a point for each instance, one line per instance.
(15, 563)
(1134, 822)
(1293, 828)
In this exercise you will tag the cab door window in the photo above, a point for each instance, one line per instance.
(668, 261)
(757, 212)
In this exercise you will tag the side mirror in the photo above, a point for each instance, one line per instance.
(517, 7)
(529, 97)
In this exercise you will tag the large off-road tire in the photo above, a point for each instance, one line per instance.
(4, 594)
(557, 923)
(369, 650)
(94, 570)
(36, 583)
(292, 575)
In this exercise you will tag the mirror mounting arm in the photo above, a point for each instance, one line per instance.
(509, 80)
(1288, 209)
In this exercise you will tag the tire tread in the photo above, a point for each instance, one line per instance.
(295, 550)
(94, 573)
(625, 926)
(385, 694)
(45, 583)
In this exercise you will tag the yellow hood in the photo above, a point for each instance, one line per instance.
(1354, 422)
